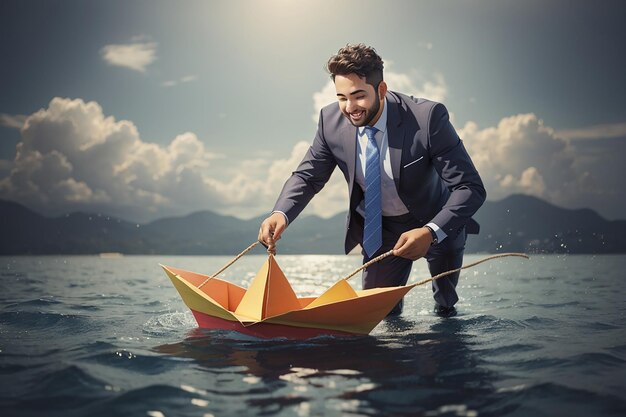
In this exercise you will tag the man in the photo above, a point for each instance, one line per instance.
(413, 188)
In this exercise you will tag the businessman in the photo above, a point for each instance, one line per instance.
(413, 187)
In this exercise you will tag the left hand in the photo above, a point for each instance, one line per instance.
(413, 244)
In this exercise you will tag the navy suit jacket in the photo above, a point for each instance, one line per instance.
(434, 175)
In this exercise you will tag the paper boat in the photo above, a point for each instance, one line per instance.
(270, 307)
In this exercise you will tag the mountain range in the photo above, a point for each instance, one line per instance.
(518, 223)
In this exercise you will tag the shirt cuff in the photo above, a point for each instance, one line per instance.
(441, 235)
(286, 218)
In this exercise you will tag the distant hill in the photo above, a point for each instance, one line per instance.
(521, 223)
(517, 223)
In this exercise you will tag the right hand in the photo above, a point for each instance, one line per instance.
(271, 230)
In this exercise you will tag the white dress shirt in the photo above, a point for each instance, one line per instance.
(391, 203)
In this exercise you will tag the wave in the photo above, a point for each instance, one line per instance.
(170, 322)
(60, 389)
(47, 322)
(552, 399)
(37, 302)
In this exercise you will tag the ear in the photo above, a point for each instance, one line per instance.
(382, 89)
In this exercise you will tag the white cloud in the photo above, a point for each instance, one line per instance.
(185, 79)
(426, 45)
(73, 157)
(331, 200)
(434, 89)
(136, 56)
(516, 145)
(603, 131)
(322, 98)
(530, 182)
(522, 155)
(12, 121)
(188, 78)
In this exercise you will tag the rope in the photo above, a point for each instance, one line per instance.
(443, 274)
(365, 265)
(246, 250)
(272, 250)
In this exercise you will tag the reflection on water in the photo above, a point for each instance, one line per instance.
(405, 373)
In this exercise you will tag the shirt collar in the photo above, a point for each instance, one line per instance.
(381, 124)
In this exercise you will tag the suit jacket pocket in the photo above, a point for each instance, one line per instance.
(413, 162)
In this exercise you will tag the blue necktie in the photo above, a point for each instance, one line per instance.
(372, 233)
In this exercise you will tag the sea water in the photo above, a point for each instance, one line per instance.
(91, 336)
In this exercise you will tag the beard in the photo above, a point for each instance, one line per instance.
(370, 113)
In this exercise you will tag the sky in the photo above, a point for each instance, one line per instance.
(146, 109)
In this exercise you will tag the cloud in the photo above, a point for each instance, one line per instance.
(136, 56)
(523, 155)
(520, 155)
(426, 45)
(331, 200)
(434, 89)
(12, 121)
(72, 156)
(602, 131)
(185, 79)
(188, 78)
(530, 182)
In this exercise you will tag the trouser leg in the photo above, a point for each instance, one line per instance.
(394, 271)
(391, 271)
(444, 257)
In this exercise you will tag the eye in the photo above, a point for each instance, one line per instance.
(360, 97)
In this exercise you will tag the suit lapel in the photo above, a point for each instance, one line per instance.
(395, 136)
(347, 133)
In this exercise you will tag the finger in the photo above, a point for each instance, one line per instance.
(399, 252)
(263, 242)
(278, 231)
(266, 231)
(401, 241)
(398, 248)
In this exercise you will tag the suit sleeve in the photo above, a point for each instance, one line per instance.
(309, 177)
(456, 169)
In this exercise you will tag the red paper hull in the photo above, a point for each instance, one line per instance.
(264, 330)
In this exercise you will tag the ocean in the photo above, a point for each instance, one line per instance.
(92, 336)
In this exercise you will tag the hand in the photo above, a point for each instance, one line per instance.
(413, 244)
(271, 230)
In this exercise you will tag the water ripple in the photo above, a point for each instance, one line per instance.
(82, 337)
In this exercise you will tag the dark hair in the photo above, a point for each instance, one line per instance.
(357, 59)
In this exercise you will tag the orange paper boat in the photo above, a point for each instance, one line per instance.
(270, 308)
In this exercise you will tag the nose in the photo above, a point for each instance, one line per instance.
(350, 106)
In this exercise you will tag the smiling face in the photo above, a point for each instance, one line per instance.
(358, 100)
